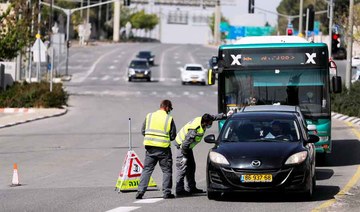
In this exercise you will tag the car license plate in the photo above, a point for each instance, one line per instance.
(256, 178)
(139, 75)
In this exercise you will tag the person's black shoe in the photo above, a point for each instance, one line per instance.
(139, 195)
(197, 191)
(169, 196)
(183, 193)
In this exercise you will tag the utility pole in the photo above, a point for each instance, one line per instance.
(38, 37)
(349, 47)
(301, 16)
(331, 8)
(116, 29)
(88, 12)
(217, 23)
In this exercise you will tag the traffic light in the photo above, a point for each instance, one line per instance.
(251, 6)
(289, 31)
(311, 17)
(127, 2)
(335, 42)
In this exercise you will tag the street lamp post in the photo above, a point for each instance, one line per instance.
(349, 47)
(68, 13)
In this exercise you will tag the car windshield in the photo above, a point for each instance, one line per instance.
(144, 54)
(138, 64)
(193, 68)
(260, 130)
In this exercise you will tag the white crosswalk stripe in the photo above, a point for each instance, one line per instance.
(112, 78)
(187, 94)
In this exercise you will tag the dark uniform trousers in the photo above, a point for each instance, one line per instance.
(185, 171)
(152, 156)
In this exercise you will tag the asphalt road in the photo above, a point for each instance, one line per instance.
(72, 162)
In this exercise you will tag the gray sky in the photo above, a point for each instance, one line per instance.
(241, 7)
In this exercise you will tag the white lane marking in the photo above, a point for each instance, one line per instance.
(106, 77)
(93, 78)
(178, 62)
(151, 200)
(123, 209)
(186, 93)
(153, 93)
(116, 61)
(116, 78)
(112, 67)
(92, 69)
(201, 93)
(162, 60)
(169, 93)
(191, 57)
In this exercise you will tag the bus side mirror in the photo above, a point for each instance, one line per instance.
(336, 84)
(214, 63)
(211, 77)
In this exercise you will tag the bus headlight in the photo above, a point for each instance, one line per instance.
(323, 138)
(296, 158)
(218, 158)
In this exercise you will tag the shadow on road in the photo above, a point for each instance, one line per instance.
(322, 193)
(345, 153)
(324, 174)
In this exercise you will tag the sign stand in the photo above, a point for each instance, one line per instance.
(129, 176)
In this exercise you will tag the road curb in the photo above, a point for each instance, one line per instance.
(351, 119)
(35, 117)
(16, 110)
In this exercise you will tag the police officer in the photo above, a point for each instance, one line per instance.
(186, 139)
(159, 129)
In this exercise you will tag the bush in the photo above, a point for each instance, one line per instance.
(34, 95)
(347, 102)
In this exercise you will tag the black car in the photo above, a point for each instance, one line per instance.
(139, 69)
(148, 56)
(262, 151)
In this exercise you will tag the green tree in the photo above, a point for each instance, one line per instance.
(15, 29)
(141, 20)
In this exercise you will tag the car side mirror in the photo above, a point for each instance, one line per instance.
(313, 139)
(210, 139)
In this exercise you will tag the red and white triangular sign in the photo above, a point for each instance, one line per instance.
(129, 176)
(136, 167)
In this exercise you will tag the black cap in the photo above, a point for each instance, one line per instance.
(207, 118)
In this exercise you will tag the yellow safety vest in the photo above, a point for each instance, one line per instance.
(157, 129)
(192, 125)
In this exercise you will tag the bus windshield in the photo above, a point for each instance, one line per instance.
(307, 88)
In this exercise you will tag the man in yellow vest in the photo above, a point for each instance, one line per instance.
(186, 139)
(159, 130)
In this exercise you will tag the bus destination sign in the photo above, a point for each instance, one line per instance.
(242, 59)
(273, 59)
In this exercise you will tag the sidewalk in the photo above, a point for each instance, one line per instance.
(14, 116)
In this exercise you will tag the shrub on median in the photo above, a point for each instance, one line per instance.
(348, 101)
(34, 95)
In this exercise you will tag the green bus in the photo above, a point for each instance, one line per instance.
(282, 70)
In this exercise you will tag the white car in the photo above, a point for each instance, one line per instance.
(355, 61)
(356, 76)
(193, 73)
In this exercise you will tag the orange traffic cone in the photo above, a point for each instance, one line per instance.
(15, 179)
